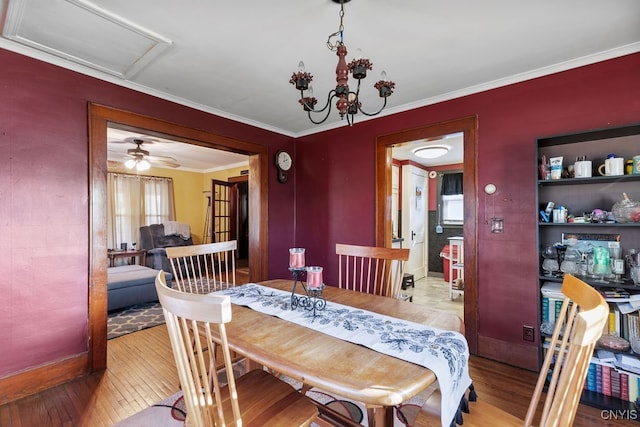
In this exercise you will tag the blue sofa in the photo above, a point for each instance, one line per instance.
(128, 285)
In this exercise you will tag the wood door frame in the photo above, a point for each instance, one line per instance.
(100, 117)
(469, 126)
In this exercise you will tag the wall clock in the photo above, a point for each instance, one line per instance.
(284, 162)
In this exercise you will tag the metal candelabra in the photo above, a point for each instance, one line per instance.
(312, 298)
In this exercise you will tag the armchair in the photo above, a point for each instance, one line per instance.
(154, 240)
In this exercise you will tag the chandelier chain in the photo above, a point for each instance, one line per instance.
(340, 33)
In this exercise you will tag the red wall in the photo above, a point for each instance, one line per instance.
(329, 198)
(44, 201)
(335, 181)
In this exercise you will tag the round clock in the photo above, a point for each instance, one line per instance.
(283, 163)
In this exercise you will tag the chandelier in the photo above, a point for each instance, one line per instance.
(348, 102)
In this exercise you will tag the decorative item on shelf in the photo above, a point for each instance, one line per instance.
(582, 167)
(635, 170)
(550, 261)
(626, 210)
(348, 102)
(612, 166)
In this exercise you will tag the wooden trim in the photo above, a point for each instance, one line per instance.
(100, 117)
(469, 126)
(35, 380)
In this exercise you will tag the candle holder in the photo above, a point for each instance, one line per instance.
(312, 298)
(297, 272)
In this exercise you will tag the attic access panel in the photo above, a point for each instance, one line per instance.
(83, 33)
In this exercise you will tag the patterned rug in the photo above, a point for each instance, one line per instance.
(133, 319)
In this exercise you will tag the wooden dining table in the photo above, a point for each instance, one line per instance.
(319, 360)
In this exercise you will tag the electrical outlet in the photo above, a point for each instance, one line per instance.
(528, 333)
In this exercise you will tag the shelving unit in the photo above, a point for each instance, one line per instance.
(583, 195)
(456, 266)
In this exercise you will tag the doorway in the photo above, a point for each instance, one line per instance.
(384, 145)
(415, 194)
(100, 117)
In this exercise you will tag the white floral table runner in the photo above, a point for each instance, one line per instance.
(446, 353)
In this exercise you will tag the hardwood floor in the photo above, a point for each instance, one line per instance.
(141, 371)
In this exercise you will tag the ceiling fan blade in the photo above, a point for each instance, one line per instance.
(166, 163)
(152, 158)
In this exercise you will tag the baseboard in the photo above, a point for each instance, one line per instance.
(515, 354)
(26, 383)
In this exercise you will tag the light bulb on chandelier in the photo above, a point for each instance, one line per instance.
(348, 102)
(139, 164)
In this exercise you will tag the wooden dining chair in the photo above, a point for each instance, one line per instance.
(370, 269)
(214, 398)
(204, 268)
(582, 318)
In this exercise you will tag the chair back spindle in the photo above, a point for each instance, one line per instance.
(373, 270)
(214, 394)
(204, 268)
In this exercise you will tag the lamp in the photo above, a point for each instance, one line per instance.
(348, 102)
(139, 163)
(431, 151)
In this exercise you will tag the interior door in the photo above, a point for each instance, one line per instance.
(414, 218)
(222, 220)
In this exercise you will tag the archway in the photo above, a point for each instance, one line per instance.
(99, 118)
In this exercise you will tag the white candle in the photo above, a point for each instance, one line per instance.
(314, 277)
(296, 257)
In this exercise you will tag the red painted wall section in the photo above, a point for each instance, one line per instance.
(336, 188)
(44, 201)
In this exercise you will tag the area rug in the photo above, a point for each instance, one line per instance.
(133, 319)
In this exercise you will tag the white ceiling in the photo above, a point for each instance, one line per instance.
(235, 58)
(190, 157)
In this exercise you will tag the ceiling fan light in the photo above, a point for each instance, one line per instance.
(431, 152)
(130, 164)
(143, 165)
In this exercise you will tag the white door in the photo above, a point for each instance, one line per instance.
(414, 219)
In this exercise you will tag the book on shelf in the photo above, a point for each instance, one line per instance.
(615, 383)
(606, 380)
(624, 386)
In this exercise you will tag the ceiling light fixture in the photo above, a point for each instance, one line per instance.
(140, 164)
(431, 152)
(348, 102)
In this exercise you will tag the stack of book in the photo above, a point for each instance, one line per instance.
(614, 375)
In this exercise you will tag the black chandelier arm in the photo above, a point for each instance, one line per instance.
(377, 112)
(327, 106)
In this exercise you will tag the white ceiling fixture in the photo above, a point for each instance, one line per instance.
(347, 101)
(431, 151)
(435, 50)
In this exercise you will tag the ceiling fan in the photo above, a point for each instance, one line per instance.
(140, 159)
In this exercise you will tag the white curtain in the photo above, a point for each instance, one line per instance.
(134, 201)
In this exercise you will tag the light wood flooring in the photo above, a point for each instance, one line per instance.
(141, 371)
(433, 292)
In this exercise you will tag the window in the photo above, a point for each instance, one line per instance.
(135, 201)
(453, 209)
(452, 199)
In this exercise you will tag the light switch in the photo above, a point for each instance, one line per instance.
(497, 225)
